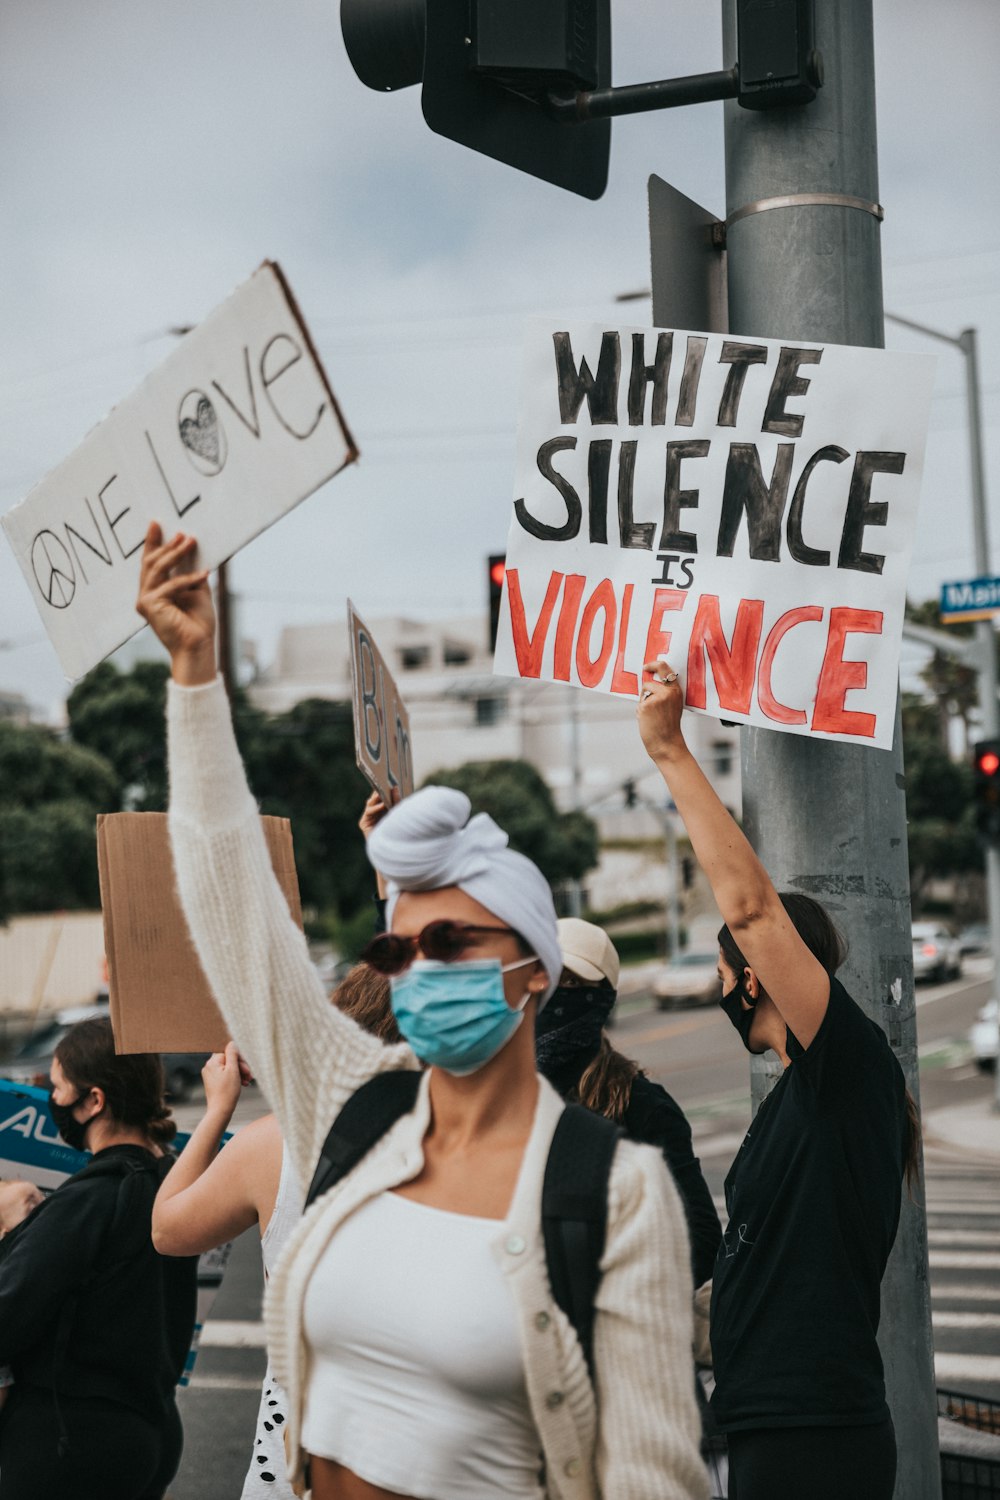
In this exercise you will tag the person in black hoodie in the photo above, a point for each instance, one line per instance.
(94, 1324)
(574, 1052)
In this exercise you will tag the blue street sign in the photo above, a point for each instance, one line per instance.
(972, 599)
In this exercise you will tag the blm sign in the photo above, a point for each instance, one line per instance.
(742, 507)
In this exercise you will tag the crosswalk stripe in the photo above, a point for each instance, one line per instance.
(951, 1369)
(985, 1238)
(979, 1321)
(964, 1260)
(963, 1291)
(222, 1333)
(224, 1383)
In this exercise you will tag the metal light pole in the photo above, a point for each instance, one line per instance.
(828, 819)
(986, 640)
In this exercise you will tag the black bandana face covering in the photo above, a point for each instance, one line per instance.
(72, 1132)
(568, 1031)
(731, 1003)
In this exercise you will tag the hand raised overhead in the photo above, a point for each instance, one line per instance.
(177, 602)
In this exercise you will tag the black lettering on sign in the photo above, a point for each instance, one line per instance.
(202, 434)
(633, 533)
(113, 521)
(797, 547)
(598, 469)
(251, 425)
(675, 499)
(73, 536)
(180, 509)
(862, 511)
(403, 754)
(574, 510)
(787, 382)
(269, 376)
(601, 390)
(745, 491)
(53, 570)
(658, 372)
(371, 724)
(666, 561)
(384, 717)
(687, 400)
(741, 357)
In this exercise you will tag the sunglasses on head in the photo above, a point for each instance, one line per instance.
(444, 940)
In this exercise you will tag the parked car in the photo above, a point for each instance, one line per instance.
(32, 1062)
(974, 939)
(690, 977)
(984, 1039)
(936, 954)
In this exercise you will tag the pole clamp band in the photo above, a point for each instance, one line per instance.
(802, 200)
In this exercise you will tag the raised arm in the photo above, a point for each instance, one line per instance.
(209, 1196)
(743, 891)
(307, 1057)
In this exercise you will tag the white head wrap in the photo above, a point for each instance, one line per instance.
(429, 840)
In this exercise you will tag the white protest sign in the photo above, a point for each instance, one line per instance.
(382, 746)
(235, 428)
(743, 507)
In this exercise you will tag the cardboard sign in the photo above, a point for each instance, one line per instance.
(381, 722)
(743, 507)
(160, 998)
(229, 433)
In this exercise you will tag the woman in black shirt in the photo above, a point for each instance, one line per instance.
(814, 1193)
(94, 1324)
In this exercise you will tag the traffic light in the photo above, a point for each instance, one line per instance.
(776, 44)
(986, 772)
(629, 791)
(687, 871)
(487, 68)
(496, 567)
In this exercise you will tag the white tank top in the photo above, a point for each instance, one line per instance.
(267, 1473)
(416, 1376)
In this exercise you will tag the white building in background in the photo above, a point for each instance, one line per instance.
(585, 744)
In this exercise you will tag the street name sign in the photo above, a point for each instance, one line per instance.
(973, 599)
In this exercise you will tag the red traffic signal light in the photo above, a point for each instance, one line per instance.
(496, 566)
(986, 785)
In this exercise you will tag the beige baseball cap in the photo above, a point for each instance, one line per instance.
(588, 951)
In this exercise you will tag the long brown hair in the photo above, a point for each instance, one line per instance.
(827, 943)
(606, 1083)
(364, 995)
(133, 1084)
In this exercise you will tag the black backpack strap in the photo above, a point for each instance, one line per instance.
(575, 1214)
(364, 1119)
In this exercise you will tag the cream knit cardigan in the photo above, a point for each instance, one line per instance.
(639, 1439)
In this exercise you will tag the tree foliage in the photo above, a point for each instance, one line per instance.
(50, 794)
(120, 715)
(941, 825)
(564, 846)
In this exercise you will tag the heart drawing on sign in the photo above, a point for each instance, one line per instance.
(201, 432)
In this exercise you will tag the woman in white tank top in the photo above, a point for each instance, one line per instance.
(474, 953)
(217, 1194)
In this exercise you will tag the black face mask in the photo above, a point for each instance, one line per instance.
(568, 1031)
(72, 1132)
(731, 1003)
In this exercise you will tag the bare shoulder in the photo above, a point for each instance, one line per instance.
(255, 1152)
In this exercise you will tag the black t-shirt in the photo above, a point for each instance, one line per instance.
(813, 1199)
(87, 1306)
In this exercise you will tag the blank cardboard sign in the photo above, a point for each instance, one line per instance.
(160, 999)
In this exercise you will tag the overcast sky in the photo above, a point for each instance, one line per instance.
(155, 154)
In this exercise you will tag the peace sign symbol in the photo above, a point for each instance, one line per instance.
(53, 570)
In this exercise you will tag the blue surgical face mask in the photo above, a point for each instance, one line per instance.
(455, 1016)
